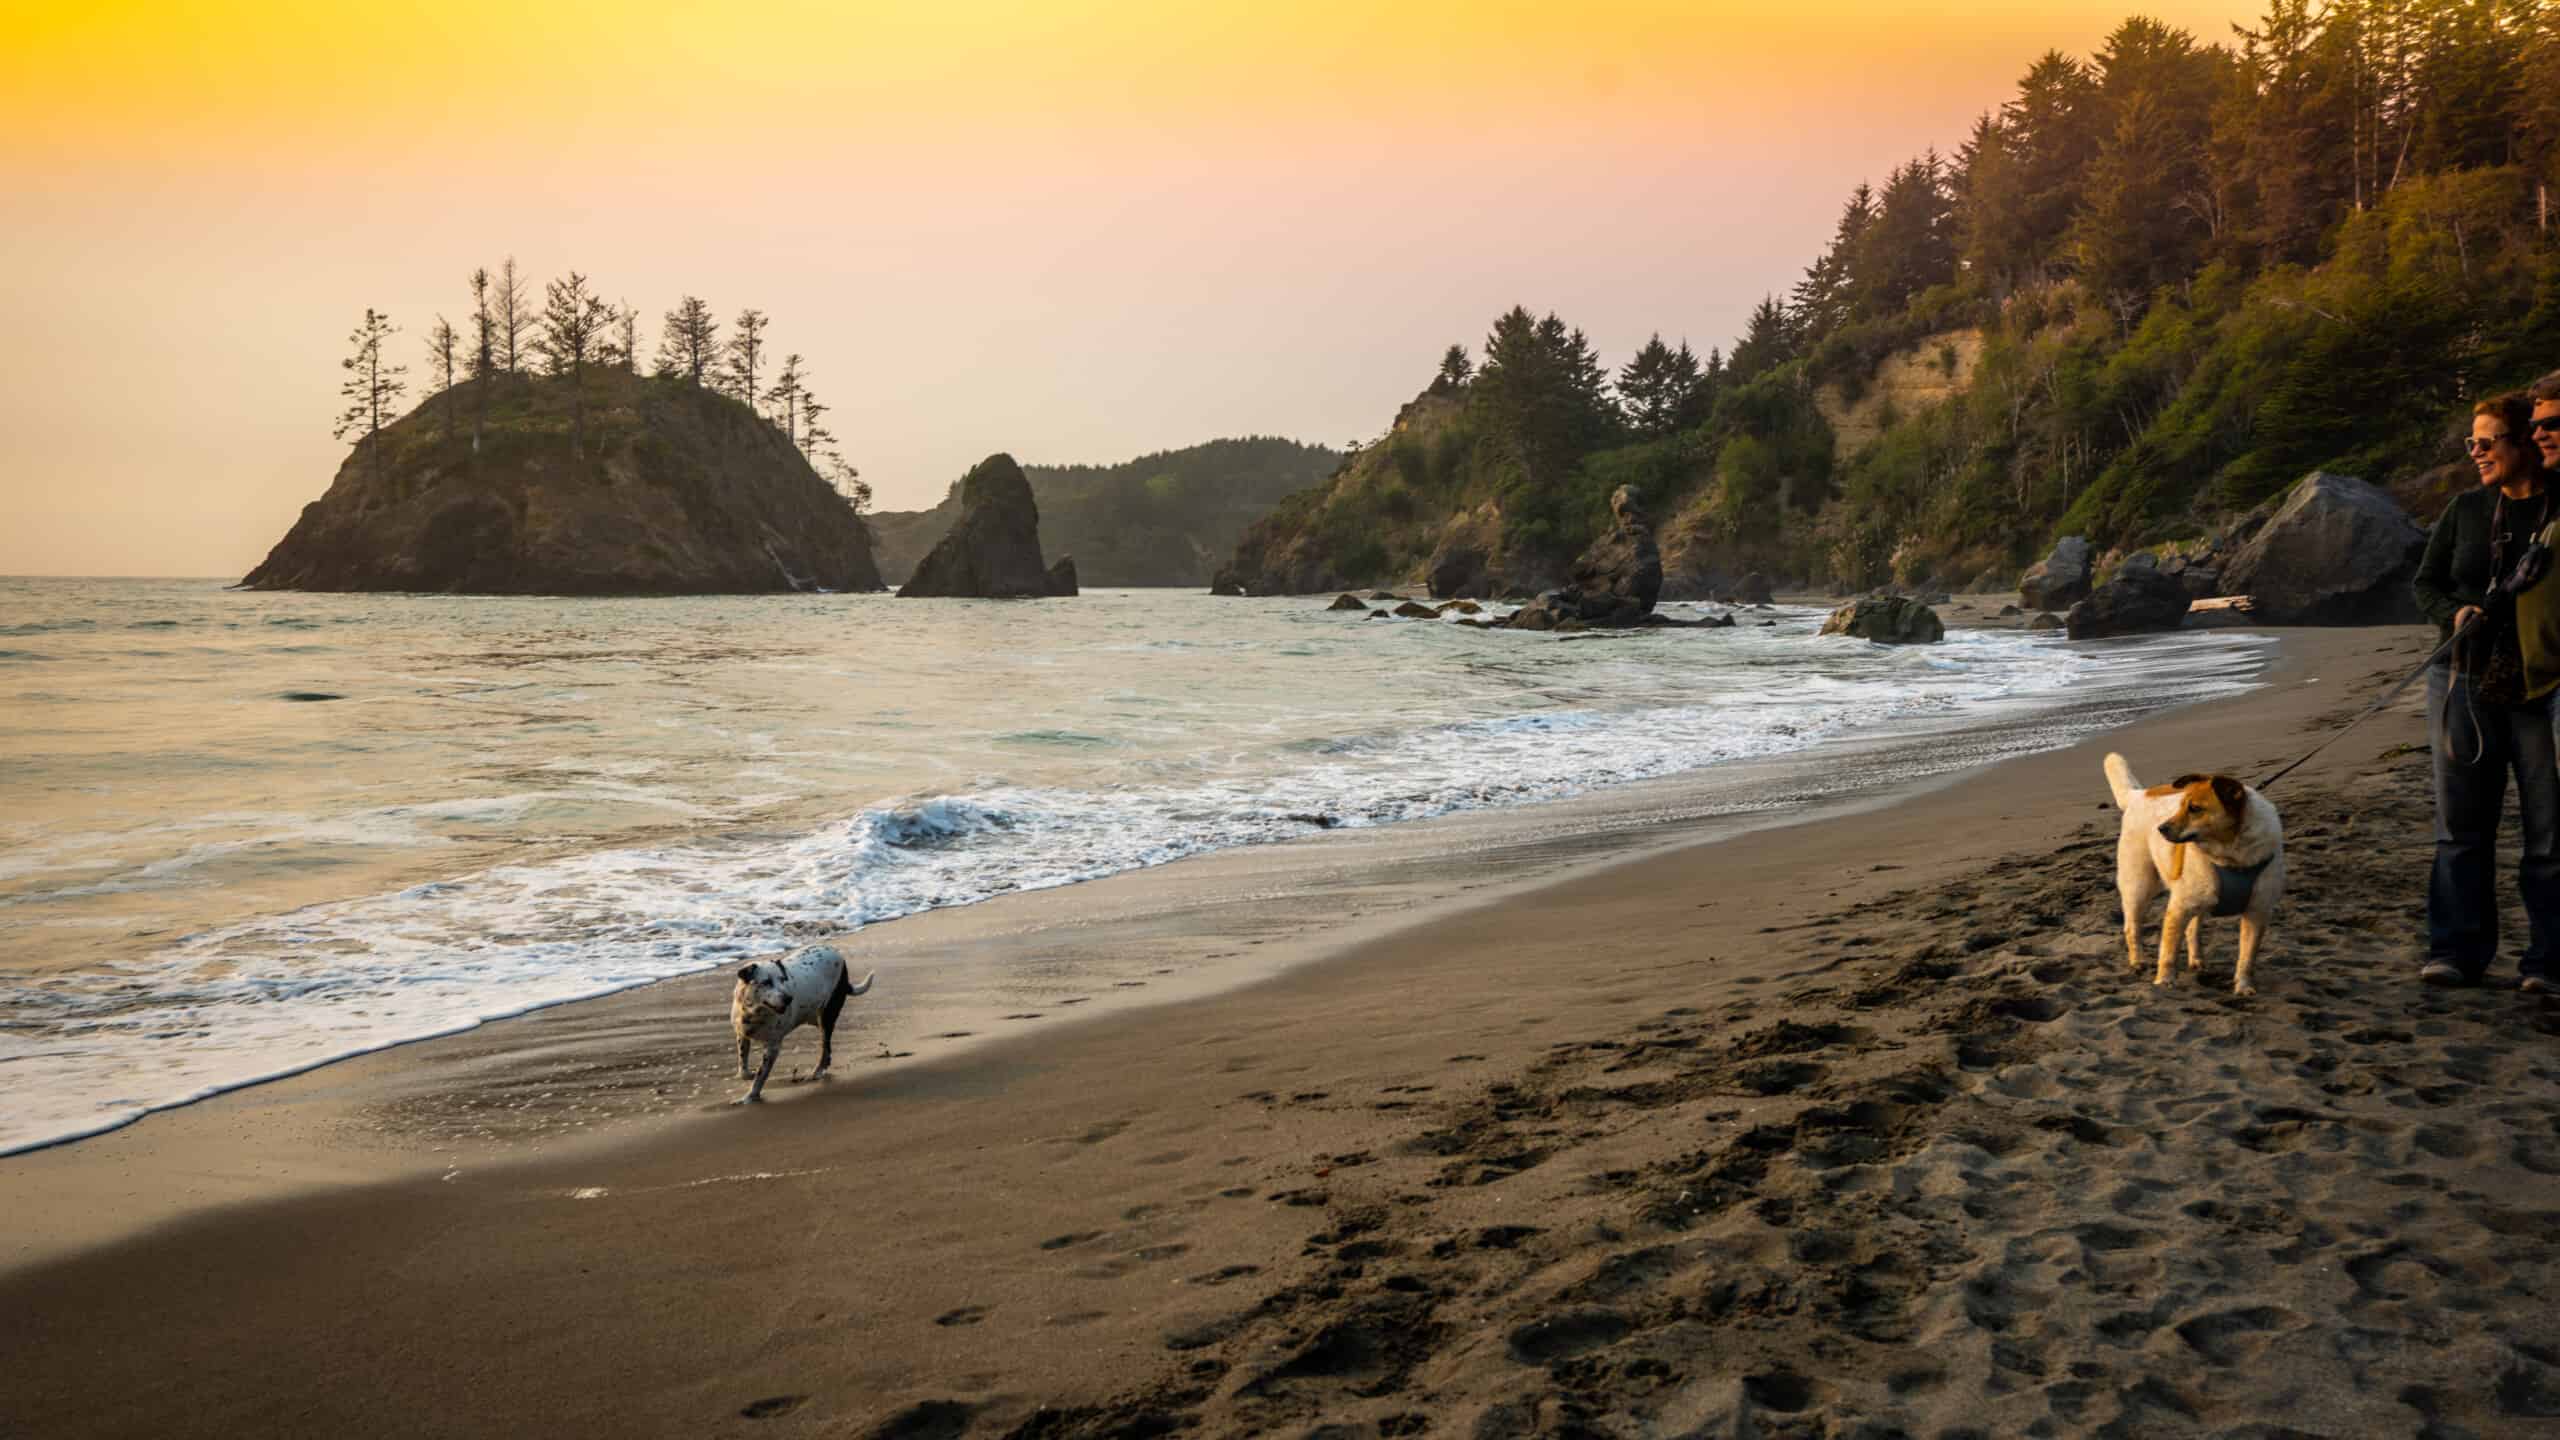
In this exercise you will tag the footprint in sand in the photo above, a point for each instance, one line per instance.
(965, 1315)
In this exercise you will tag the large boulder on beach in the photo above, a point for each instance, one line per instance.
(1752, 589)
(1062, 577)
(1887, 620)
(2139, 597)
(1346, 602)
(2061, 579)
(2332, 550)
(993, 549)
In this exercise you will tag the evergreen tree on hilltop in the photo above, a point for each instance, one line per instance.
(689, 341)
(511, 307)
(373, 386)
(1823, 298)
(1662, 390)
(2022, 183)
(743, 352)
(1542, 391)
(2283, 136)
(2147, 214)
(1455, 370)
(576, 326)
(1911, 244)
(1768, 341)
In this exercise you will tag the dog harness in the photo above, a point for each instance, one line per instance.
(2234, 884)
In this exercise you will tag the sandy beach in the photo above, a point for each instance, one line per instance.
(1853, 1126)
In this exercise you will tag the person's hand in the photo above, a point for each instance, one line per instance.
(2465, 616)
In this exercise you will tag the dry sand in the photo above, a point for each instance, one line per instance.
(1857, 1127)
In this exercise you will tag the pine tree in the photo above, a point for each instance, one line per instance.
(782, 399)
(689, 342)
(849, 483)
(484, 355)
(1768, 341)
(1455, 370)
(2020, 192)
(1660, 388)
(626, 345)
(1911, 243)
(1824, 299)
(373, 386)
(514, 315)
(744, 350)
(575, 322)
(1542, 391)
(440, 343)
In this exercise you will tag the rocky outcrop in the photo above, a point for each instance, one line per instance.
(1887, 620)
(1347, 602)
(2332, 550)
(2140, 597)
(1613, 584)
(2060, 580)
(674, 490)
(1167, 518)
(1062, 576)
(993, 550)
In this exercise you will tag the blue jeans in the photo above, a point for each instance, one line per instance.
(2476, 744)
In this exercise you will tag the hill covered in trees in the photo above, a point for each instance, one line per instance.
(1163, 519)
(610, 483)
(2151, 289)
(543, 462)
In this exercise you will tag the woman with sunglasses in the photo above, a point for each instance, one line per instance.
(2482, 723)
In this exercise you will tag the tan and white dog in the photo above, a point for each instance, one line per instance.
(775, 997)
(2215, 845)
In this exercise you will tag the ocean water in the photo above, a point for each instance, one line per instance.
(245, 834)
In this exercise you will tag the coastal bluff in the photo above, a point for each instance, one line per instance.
(485, 489)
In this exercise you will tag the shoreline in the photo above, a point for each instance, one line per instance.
(1862, 1122)
(599, 1069)
(410, 913)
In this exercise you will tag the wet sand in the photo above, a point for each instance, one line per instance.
(1857, 1122)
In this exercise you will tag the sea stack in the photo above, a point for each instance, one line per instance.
(671, 490)
(993, 550)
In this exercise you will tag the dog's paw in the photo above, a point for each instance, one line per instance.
(748, 1100)
(2243, 987)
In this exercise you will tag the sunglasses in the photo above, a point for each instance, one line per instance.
(2545, 424)
(2478, 446)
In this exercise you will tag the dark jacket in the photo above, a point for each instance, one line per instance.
(2455, 570)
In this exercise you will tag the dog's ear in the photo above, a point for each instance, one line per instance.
(2183, 781)
(747, 973)
(2233, 795)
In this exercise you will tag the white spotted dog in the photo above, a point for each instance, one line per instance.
(776, 997)
(2215, 845)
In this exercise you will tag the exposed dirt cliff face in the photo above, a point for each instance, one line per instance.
(681, 492)
(1907, 382)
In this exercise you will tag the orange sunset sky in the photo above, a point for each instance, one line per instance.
(1073, 232)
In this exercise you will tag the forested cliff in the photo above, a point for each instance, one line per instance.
(2153, 287)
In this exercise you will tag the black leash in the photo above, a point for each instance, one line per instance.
(2388, 696)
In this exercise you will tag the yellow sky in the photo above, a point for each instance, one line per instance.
(1072, 231)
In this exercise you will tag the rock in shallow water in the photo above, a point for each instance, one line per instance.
(1887, 620)
(993, 550)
